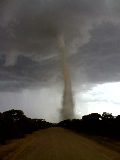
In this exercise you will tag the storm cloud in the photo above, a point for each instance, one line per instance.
(29, 54)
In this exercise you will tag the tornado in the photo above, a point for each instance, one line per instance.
(67, 111)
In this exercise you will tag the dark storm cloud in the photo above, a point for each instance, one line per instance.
(27, 73)
(31, 27)
(99, 59)
(28, 39)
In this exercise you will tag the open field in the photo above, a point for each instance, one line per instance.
(56, 144)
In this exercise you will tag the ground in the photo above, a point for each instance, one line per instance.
(56, 144)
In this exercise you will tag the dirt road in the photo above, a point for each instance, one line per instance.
(56, 144)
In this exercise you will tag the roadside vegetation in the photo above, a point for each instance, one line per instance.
(105, 125)
(14, 124)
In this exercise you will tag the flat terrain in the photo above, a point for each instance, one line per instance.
(56, 144)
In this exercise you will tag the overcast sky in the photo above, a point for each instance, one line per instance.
(30, 67)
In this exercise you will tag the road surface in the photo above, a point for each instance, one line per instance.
(58, 144)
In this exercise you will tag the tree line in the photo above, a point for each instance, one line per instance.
(105, 125)
(14, 124)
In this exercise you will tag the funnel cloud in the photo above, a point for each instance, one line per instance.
(67, 111)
